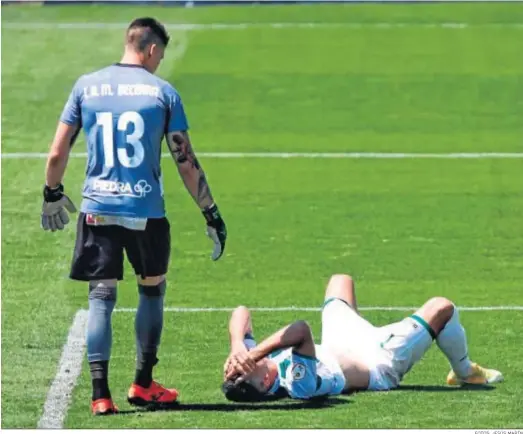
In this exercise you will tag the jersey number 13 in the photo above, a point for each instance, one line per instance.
(105, 119)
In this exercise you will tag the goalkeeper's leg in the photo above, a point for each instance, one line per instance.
(102, 298)
(148, 326)
(149, 251)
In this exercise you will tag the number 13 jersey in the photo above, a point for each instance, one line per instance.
(125, 111)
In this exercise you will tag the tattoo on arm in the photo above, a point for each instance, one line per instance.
(203, 188)
(177, 148)
(182, 151)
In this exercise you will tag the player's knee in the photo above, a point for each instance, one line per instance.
(340, 281)
(103, 289)
(151, 280)
(152, 289)
(340, 278)
(443, 306)
(338, 285)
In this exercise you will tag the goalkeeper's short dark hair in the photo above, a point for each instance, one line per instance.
(144, 31)
(245, 392)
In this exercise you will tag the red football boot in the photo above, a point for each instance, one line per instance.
(155, 396)
(103, 407)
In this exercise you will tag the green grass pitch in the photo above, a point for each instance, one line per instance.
(406, 229)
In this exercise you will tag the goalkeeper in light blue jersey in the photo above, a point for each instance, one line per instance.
(125, 112)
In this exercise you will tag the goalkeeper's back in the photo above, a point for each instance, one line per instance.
(124, 111)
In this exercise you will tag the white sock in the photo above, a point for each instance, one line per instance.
(453, 342)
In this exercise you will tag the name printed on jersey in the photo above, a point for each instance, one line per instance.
(125, 112)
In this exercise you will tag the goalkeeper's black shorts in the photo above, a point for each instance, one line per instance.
(99, 250)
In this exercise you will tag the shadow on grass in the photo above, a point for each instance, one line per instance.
(464, 388)
(286, 404)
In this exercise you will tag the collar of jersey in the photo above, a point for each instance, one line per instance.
(128, 65)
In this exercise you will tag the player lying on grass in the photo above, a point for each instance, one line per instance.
(353, 355)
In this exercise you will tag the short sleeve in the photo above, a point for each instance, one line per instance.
(177, 120)
(298, 376)
(72, 113)
(249, 341)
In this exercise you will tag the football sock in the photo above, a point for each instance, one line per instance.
(99, 373)
(148, 326)
(453, 342)
(144, 374)
(102, 299)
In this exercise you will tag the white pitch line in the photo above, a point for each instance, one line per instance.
(241, 26)
(390, 155)
(317, 309)
(69, 369)
(287, 155)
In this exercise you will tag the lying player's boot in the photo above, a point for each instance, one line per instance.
(155, 396)
(478, 375)
(103, 407)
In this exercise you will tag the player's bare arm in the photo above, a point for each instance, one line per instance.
(297, 335)
(189, 168)
(240, 325)
(54, 216)
(59, 153)
(195, 181)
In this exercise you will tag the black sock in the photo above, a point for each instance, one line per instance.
(144, 374)
(99, 374)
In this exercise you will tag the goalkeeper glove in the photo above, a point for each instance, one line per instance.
(216, 230)
(54, 216)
